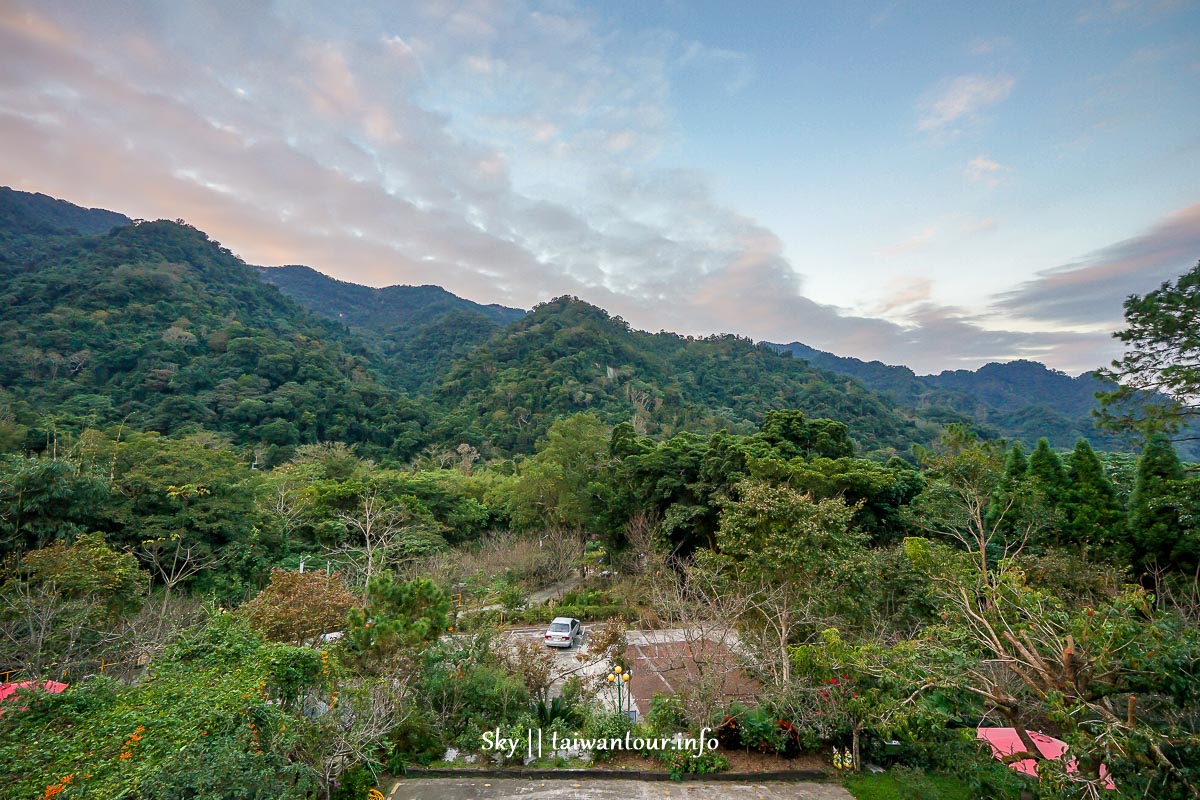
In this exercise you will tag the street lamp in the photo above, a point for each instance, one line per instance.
(620, 677)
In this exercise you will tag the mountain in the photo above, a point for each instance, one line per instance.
(567, 356)
(157, 327)
(1020, 400)
(382, 310)
(416, 330)
(23, 213)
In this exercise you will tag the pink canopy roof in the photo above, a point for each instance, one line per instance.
(7, 690)
(1005, 742)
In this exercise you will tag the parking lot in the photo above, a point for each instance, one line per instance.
(660, 660)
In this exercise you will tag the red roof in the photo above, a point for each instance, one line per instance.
(1005, 742)
(7, 690)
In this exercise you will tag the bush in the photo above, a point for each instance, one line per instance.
(605, 725)
(414, 740)
(666, 714)
(761, 731)
(682, 762)
(353, 784)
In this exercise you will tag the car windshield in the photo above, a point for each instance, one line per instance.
(559, 627)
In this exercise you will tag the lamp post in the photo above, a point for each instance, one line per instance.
(620, 677)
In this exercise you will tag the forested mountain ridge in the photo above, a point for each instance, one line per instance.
(382, 310)
(417, 330)
(569, 356)
(1019, 400)
(39, 214)
(158, 327)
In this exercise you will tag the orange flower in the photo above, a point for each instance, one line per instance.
(126, 755)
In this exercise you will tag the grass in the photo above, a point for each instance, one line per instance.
(906, 785)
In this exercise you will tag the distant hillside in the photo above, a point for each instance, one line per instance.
(1020, 400)
(157, 327)
(417, 330)
(382, 310)
(568, 356)
(23, 213)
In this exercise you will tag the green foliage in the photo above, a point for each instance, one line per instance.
(666, 714)
(792, 436)
(1094, 514)
(160, 328)
(1159, 383)
(1156, 530)
(567, 356)
(353, 784)
(1046, 472)
(605, 724)
(203, 719)
(683, 762)
(1020, 401)
(462, 691)
(903, 783)
(402, 616)
(89, 569)
(785, 535)
(45, 499)
(559, 486)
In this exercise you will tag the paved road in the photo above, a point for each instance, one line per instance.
(566, 789)
(659, 659)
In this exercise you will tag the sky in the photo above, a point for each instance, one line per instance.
(932, 184)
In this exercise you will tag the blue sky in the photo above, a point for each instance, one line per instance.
(933, 184)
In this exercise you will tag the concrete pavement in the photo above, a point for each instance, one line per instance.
(607, 789)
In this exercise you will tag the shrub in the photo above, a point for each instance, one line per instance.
(682, 762)
(666, 714)
(605, 725)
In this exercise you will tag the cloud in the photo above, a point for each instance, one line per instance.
(904, 293)
(982, 46)
(918, 241)
(982, 169)
(733, 70)
(1090, 291)
(961, 99)
(979, 225)
(501, 152)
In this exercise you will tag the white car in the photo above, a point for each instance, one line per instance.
(563, 632)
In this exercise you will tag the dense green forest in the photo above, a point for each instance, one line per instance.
(274, 556)
(418, 331)
(155, 326)
(1019, 401)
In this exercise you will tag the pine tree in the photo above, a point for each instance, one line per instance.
(1047, 473)
(1012, 484)
(1048, 480)
(1154, 524)
(1094, 514)
(1016, 466)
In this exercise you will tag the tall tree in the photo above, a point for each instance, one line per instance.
(963, 478)
(1046, 472)
(1154, 521)
(1094, 514)
(1162, 358)
(792, 556)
